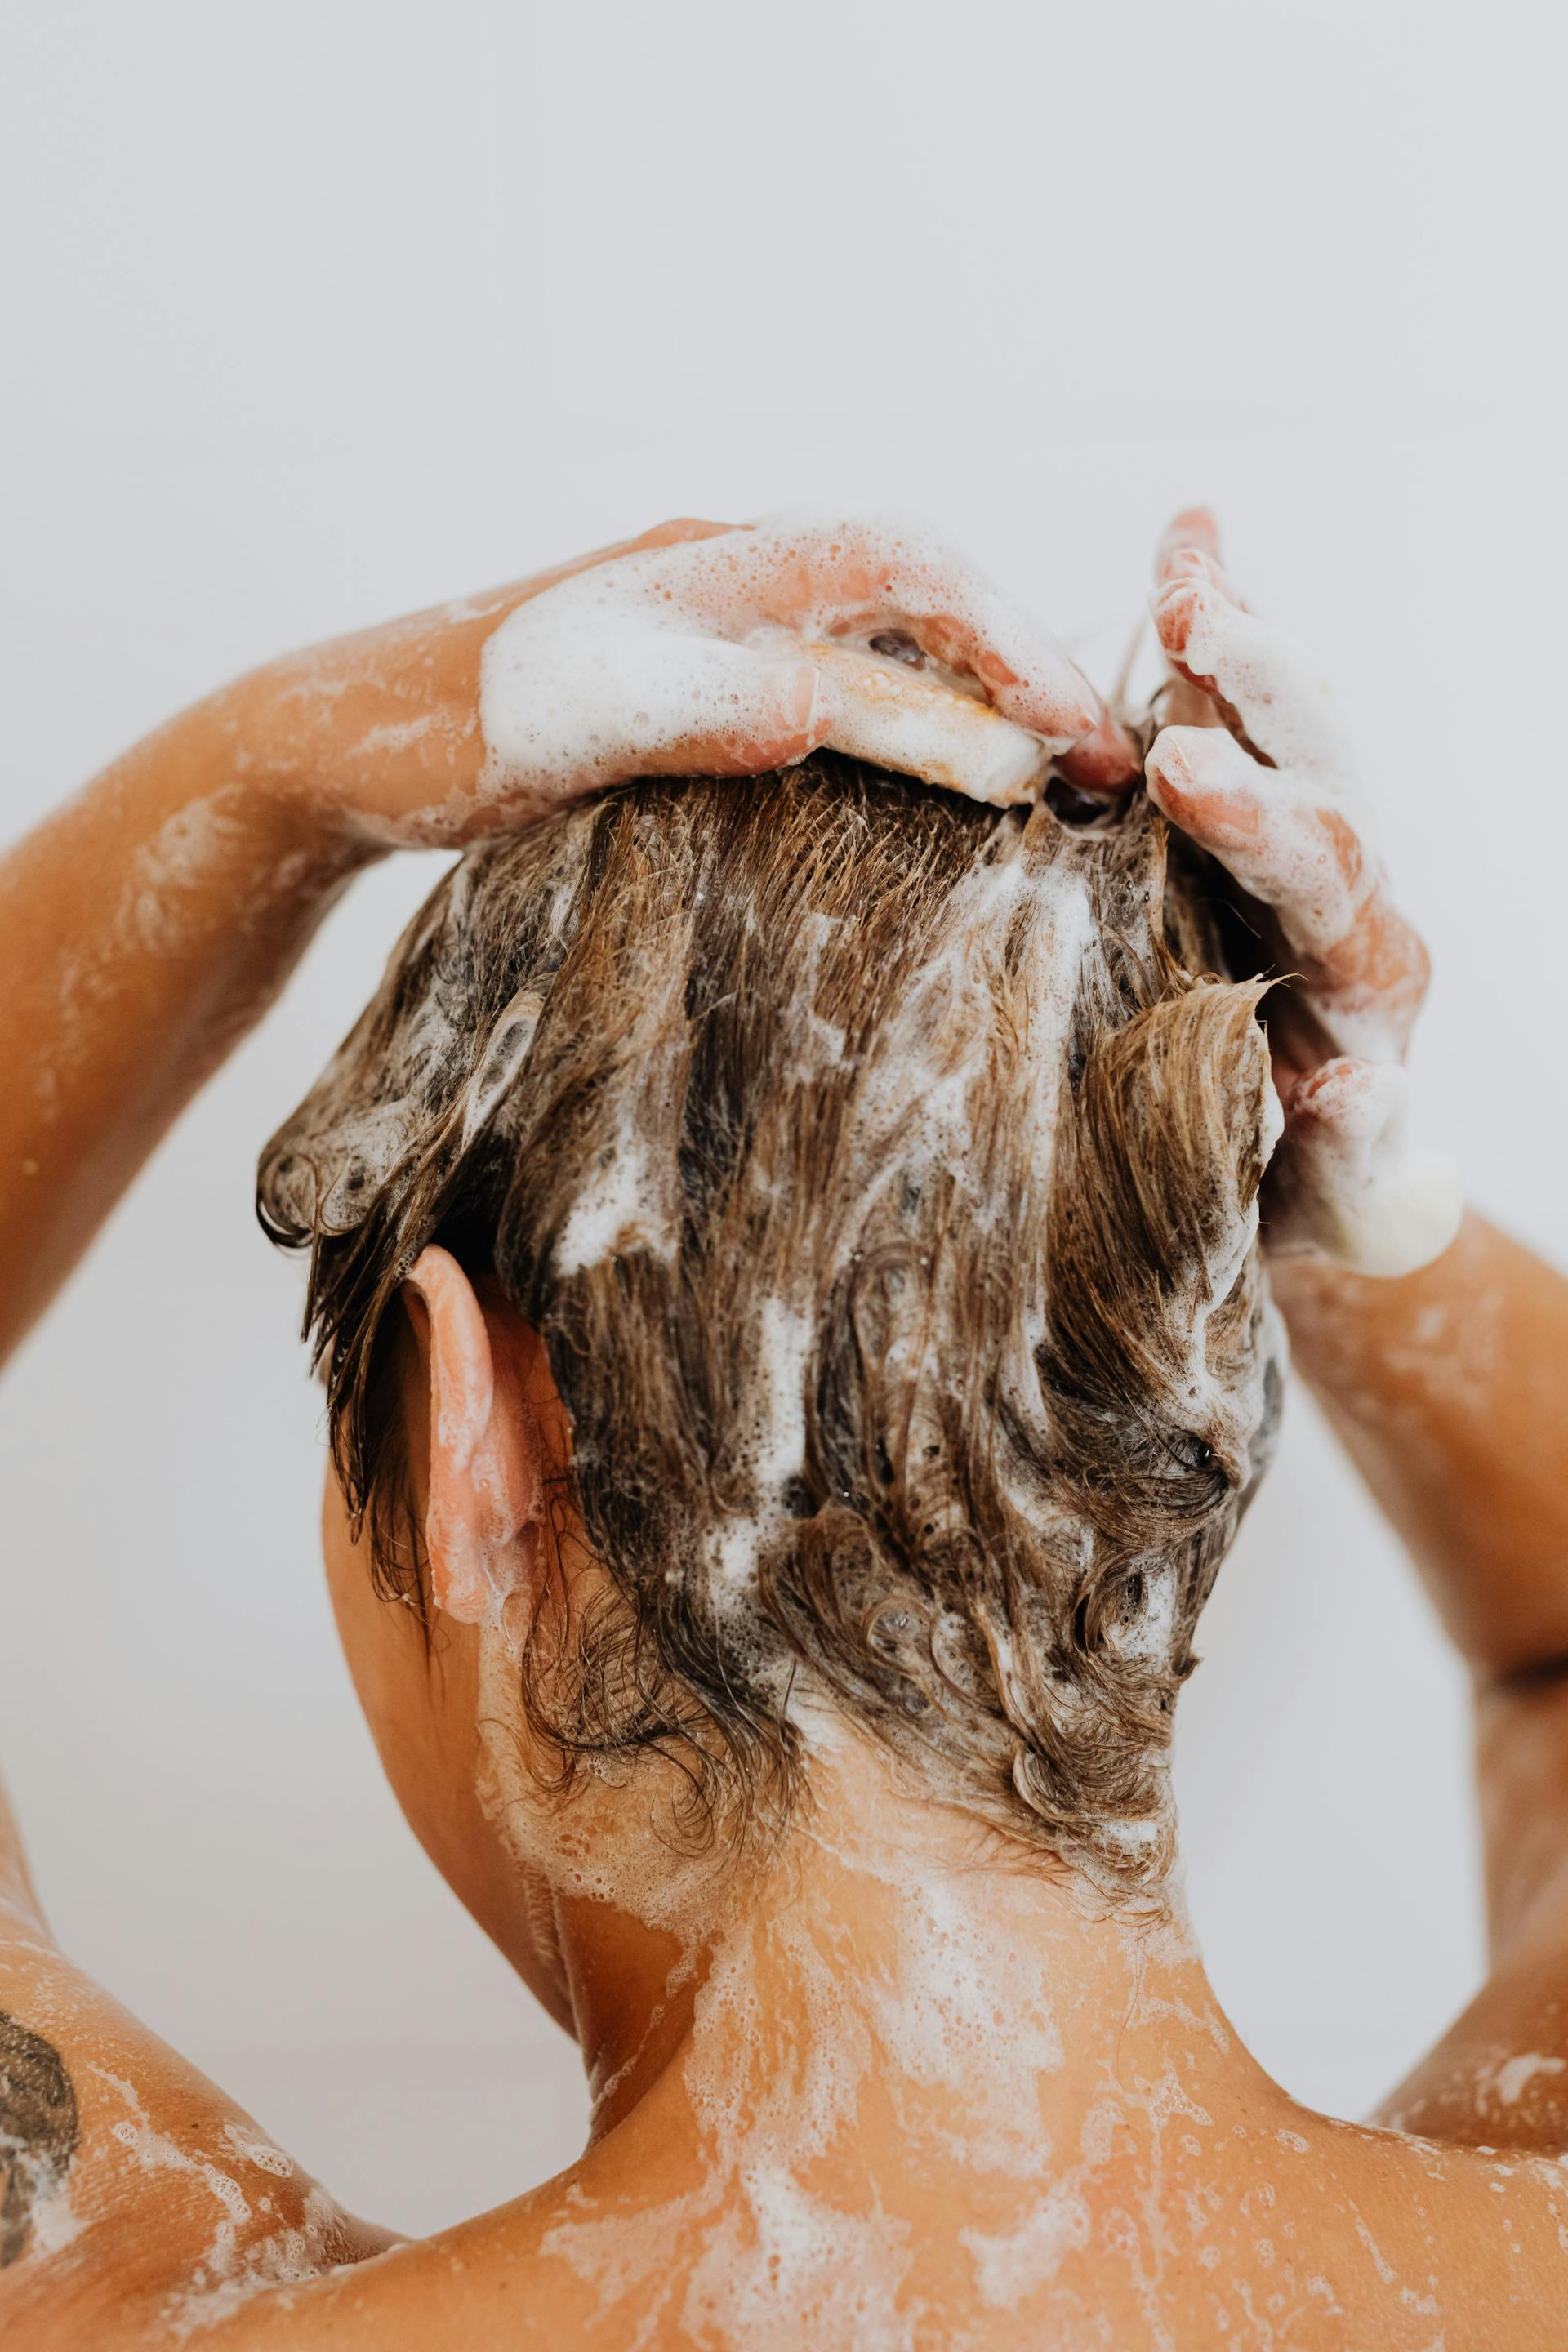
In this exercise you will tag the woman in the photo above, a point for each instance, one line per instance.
(797, 1349)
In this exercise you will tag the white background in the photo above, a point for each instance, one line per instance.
(315, 313)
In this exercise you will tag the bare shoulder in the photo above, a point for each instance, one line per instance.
(494, 2282)
(1279, 2226)
(135, 2198)
(1291, 2228)
(1330, 2238)
(140, 2209)
(1468, 2241)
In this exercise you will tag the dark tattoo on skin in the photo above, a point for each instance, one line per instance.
(38, 2127)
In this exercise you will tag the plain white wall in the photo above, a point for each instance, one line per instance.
(315, 313)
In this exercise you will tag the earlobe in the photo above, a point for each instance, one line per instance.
(484, 1475)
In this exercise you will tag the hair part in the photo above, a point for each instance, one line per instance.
(882, 1174)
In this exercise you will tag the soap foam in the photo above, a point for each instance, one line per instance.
(1295, 829)
(619, 669)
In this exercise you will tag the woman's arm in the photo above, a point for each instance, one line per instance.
(146, 927)
(142, 929)
(1449, 1391)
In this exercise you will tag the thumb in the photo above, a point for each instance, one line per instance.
(1351, 1182)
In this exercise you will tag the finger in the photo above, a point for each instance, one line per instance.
(1189, 544)
(1194, 531)
(569, 710)
(1367, 990)
(831, 577)
(756, 716)
(1269, 693)
(898, 717)
(1219, 795)
(1361, 969)
(958, 615)
(1280, 844)
(1103, 761)
(1349, 1180)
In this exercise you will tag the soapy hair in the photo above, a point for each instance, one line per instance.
(880, 1171)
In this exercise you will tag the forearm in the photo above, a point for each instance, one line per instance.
(143, 927)
(1450, 1390)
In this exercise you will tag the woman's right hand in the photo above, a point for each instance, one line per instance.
(1259, 770)
(698, 648)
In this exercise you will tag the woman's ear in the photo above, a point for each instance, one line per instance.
(485, 1468)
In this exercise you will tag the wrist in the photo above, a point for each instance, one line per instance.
(249, 742)
(368, 742)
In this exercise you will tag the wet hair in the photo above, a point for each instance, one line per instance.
(880, 1171)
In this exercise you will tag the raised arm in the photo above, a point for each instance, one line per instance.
(1450, 1390)
(145, 927)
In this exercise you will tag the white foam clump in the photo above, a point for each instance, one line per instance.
(1512, 2077)
(918, 1075)
(1013, 2265)
(1361, 1191)
(783, 1362)
(705, 651)
(775, 1453)
(613, 1211)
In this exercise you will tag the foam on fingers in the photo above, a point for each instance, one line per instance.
(1358, 1188)
(1280, 696)
(1275, 796)
(849, 570)
(1206, 784)
(1284, 846)
(573, 708)
(895, 718)
(681, 654)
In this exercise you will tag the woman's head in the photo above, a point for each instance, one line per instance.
(881, 1180)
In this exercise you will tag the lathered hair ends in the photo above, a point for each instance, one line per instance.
(881, 1172)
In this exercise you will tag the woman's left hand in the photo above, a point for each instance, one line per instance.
(1259, 771)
